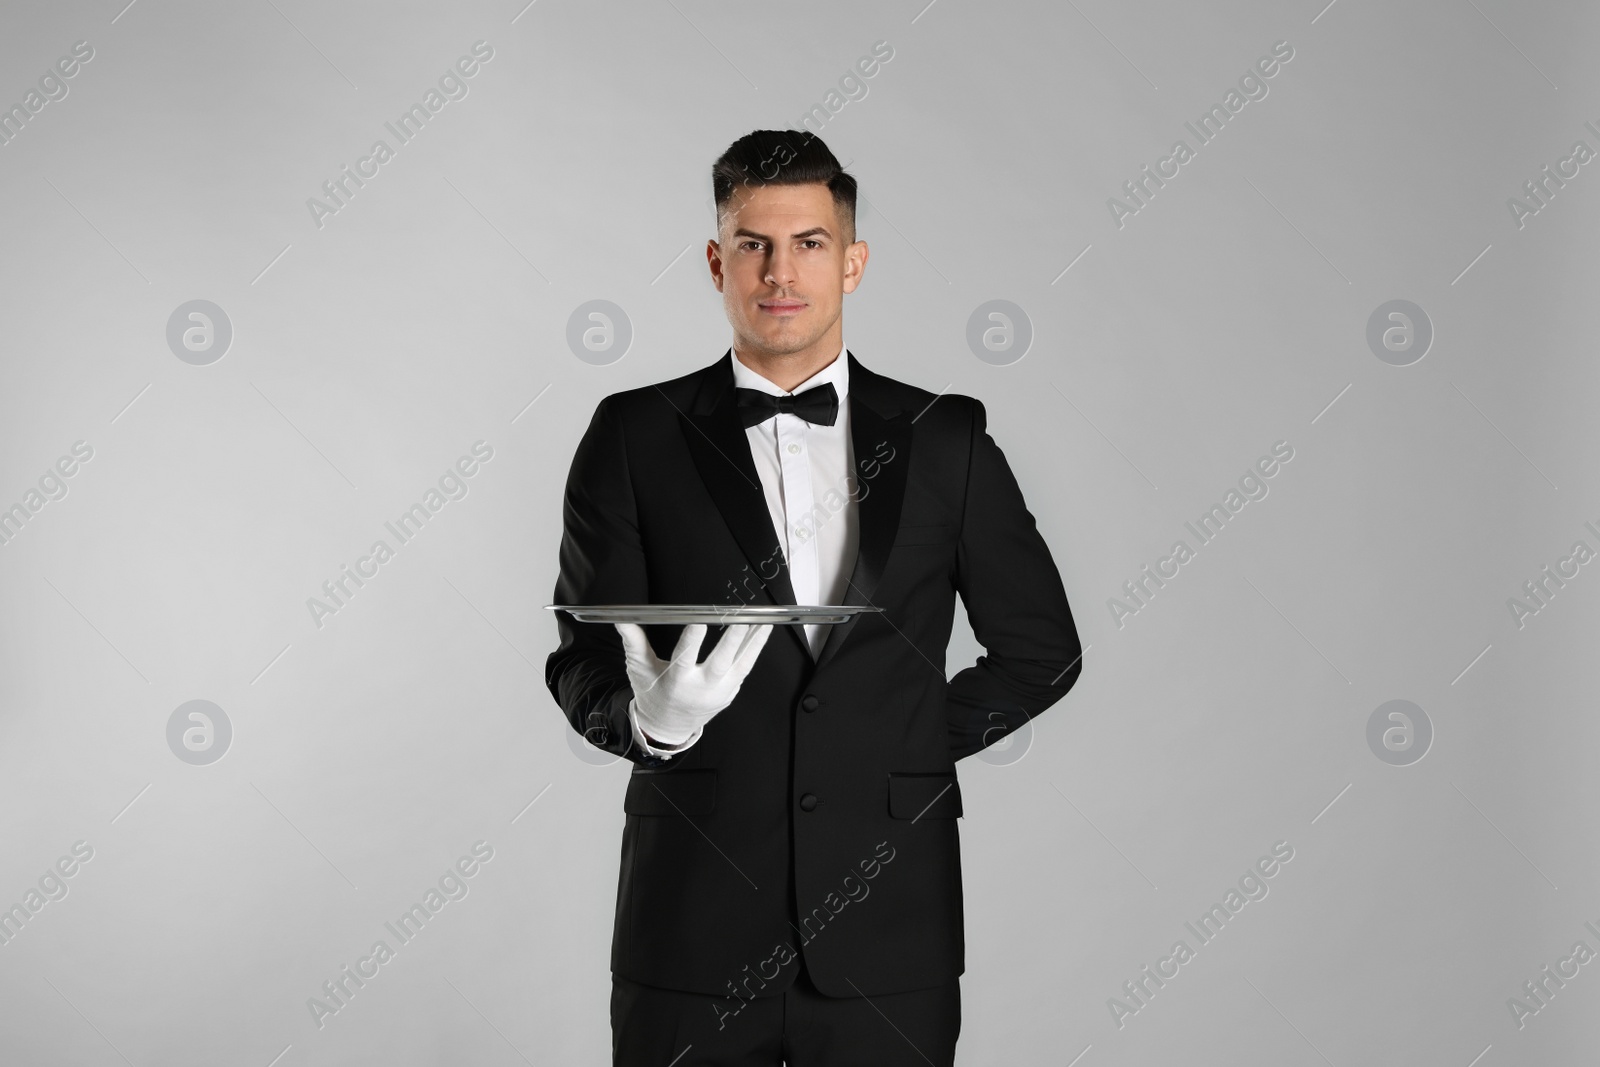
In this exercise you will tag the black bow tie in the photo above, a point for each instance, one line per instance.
(819, 404)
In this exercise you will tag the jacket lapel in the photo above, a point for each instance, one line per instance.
(721, 453)
(880, 435)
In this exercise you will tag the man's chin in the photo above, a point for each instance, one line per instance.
(782, 342)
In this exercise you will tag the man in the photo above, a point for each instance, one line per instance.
(790, 885)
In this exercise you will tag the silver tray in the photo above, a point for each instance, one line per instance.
(714, 614)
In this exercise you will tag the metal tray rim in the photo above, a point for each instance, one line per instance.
(713, 614)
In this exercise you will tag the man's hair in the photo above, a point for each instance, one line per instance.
(783, 157)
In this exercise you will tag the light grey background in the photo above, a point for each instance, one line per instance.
(431, 312)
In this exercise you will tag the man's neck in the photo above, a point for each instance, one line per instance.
(789, 370)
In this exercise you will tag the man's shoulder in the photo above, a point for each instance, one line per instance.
(939, 412)
(674, 394)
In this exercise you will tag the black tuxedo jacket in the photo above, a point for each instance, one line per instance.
(817, 813)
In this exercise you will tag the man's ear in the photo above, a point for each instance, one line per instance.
(714, 262)
(855, 265)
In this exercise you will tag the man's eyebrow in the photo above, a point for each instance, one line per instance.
(815, 230)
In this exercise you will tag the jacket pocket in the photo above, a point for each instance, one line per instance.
(925, 535)
(924, 796)
(671, 793)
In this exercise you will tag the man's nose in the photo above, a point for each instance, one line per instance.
(780, 269)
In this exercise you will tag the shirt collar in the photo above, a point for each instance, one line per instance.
(837, 372)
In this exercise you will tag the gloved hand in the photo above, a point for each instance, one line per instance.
(673, 701)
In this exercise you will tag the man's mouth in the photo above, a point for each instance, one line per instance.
(782, 307)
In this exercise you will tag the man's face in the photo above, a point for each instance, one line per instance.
(783, 266)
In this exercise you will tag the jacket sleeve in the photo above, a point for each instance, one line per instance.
(602, 562)
(1015, 603)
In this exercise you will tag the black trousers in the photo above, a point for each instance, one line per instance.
(652, 1027)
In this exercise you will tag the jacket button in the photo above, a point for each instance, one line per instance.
(809, 702)
(808, 802)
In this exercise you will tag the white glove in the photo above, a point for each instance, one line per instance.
(673, 701)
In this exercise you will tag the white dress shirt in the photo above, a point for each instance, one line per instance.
(811, 492)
